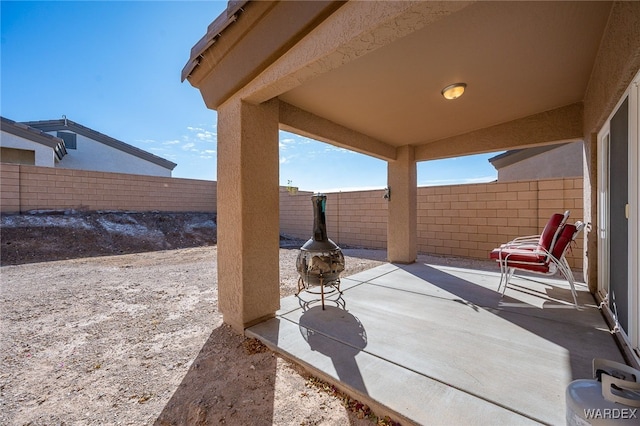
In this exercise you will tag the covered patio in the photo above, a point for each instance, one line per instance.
(432, 344)
(368, 76)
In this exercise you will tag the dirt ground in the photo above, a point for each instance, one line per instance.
(136, 339)
(67, 234)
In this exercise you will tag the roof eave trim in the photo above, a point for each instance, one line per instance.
(31, 133)
(215, 30)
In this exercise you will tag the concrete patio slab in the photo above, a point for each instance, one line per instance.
(438, 345)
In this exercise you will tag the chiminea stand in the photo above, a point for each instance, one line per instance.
(332, 286)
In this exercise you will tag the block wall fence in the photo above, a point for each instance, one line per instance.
(24, 188)
(457, 220)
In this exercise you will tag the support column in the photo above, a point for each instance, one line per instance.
(248, 212)
(402, 221)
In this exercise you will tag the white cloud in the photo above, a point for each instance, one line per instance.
(331, 148)
(206, 135)
(200, 134)
(173, 142)
(316, 153)
(209, 151)
(188, 146)
(285, 160)
(287, 143)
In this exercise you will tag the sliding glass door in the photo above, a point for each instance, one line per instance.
(619, 215)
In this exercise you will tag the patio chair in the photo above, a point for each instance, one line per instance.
(542, 254)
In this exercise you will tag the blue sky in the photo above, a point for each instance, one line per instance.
(114, 66)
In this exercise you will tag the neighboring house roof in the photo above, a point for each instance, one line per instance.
(65, 124)
(516, 155)
(34, 135)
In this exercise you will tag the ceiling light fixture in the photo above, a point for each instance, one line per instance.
(454, 91)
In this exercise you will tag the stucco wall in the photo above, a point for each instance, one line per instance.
(564, 161)
(93, 155)
(44, 156)
(32, 188)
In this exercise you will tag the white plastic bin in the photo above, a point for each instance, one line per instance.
(612, 397)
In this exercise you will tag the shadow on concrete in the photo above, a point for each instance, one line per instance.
(552, 322)
(339, 335)
(468, 354)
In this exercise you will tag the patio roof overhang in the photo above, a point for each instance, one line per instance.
(368, 75)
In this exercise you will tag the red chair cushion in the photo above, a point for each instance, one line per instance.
(564, 239)
(536, 267)
(530, 260)
(518, 255)
(530, 257)
(550, 230)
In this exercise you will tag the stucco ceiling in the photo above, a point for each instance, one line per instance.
(517, 58)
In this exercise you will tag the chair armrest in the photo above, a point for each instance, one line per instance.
(521, 244)
(528, 237)
(525, 239)
(504, 252)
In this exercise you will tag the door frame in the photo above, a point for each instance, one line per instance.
(630, 337)
(634, 213)
(603, 211)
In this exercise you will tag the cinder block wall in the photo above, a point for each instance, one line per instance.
(26, 188)
(458, 220)
(356, 218)
(296, 214)
(470, 220)
(9, 188)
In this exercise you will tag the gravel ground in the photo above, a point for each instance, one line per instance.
(137, 339)
(127, 330)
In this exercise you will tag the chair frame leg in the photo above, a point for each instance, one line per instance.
(507, 273)
(501, 275)
(565, 270)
